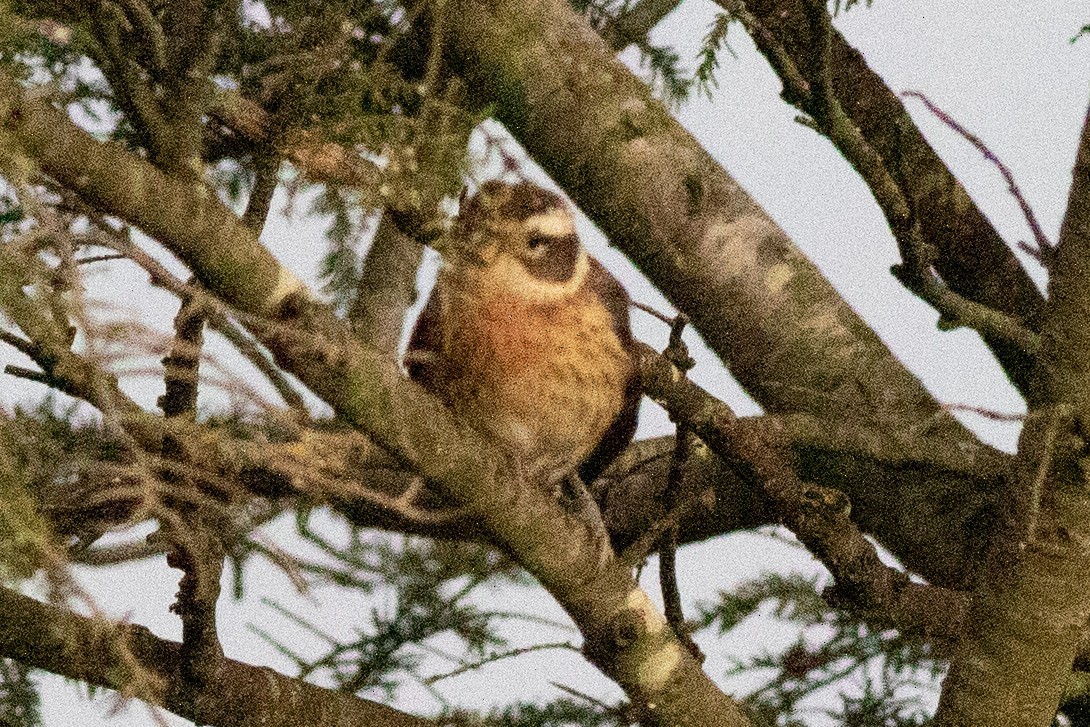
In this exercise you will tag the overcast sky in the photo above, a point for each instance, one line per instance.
(1005, 70)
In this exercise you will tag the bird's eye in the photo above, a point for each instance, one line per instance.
(538, 244)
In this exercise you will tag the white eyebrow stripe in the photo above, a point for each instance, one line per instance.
(510, 275)
(554, 223)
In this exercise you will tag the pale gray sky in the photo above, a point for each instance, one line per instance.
(1004, 70)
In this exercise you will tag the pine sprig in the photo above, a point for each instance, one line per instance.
(833, 657)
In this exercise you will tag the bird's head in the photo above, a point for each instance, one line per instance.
(518, 238)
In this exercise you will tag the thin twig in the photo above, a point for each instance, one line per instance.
(37, 376)
(98, 259)
(19, 343)
(678, 354)
(472, 666)
(572, 691)
(995, 416)
(252, 352)
(1045, 248)
(652, 311)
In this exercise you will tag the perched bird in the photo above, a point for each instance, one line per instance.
(527, 337)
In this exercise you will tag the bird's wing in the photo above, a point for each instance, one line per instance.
(623, 428)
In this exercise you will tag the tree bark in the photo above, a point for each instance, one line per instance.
(973, 259)
(765, 310)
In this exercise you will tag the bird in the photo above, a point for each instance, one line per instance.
(527, 337)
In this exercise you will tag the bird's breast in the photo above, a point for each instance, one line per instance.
(546, 379)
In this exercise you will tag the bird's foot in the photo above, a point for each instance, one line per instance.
(577, 501)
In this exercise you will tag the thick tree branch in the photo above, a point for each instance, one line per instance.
(135, 662)
(762, 307)
(113, 180)
(952, 496)
(972, 258)
(816, 96)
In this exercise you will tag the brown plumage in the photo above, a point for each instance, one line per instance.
(527, 337)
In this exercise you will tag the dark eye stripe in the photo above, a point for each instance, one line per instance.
(558, 263)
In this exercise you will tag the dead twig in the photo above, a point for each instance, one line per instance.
(1044, 248)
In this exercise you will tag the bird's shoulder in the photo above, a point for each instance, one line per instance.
(613, 297)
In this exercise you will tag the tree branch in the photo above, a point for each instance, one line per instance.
(196, 546)
(266, 177)
(1042, 246)
(219, 320)
(972, 258)
(817, 515)
(133, 661)
(343, 468)
(794, 344)
(952, 489)
(387, 287)
(131, 90)
(320, 161)
(635, 22)
(815, 95)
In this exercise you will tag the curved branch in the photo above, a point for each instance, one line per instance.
(817, 515)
